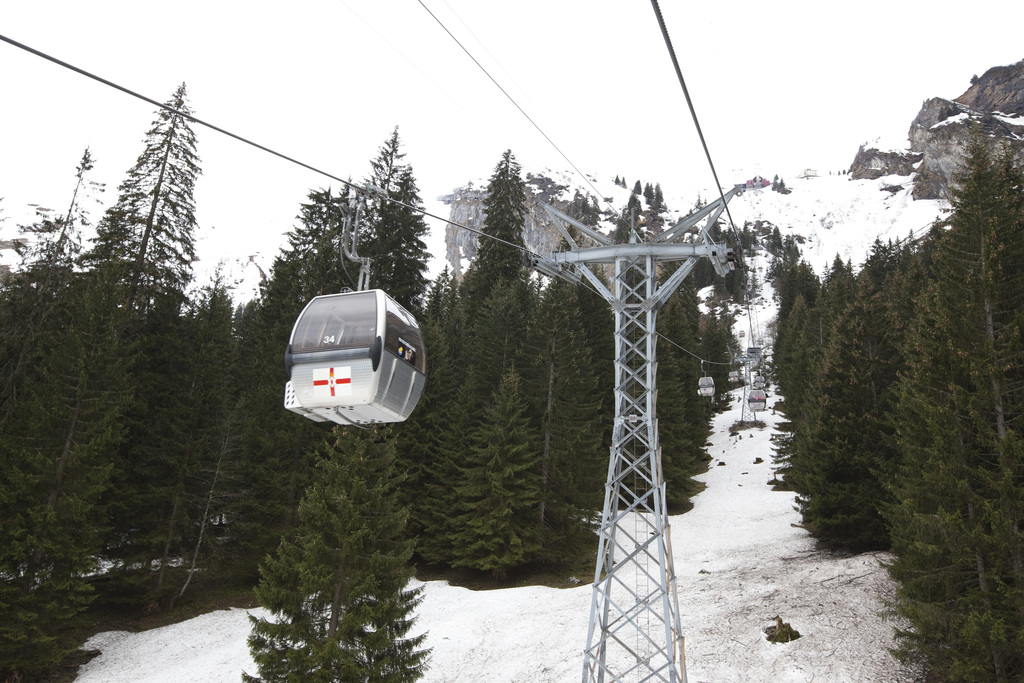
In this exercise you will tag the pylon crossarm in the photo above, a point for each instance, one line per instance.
(552, 269)
(560, 220)
(688, 222)
(670, 285)
(595, 282)
(676, 251)
(709, 222)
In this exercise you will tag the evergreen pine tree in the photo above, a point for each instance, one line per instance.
(209, 437)
(338, 589)
(831, 302)
(494, 345)
(275, 443)
(153, 472)
(496, 519)
(683, 416)
(61, 398)
(796, 355)
(626, 224)
(149, 234)
(795, 358)
(48, 256)
(956, 525)
(659, 199)
(598, 325)
(796, 278)
(501, 258)
(141, 261)
(498, 305)
(56, 442)
(851, 449)
(431, 440)
(394, 230)
(563, 382)
(715, 338)
(498, 335)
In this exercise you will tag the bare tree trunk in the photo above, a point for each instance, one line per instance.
(979, 563)
(204, 522)
(340, 581)
(164, 556)
(1007, 463)
(65, 454)
(545, 458)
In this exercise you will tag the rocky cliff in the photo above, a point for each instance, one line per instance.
(872, 163)
(467, 208)
(994, 103)
(1001, 89)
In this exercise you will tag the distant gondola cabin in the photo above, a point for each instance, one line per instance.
(757, 400)
(355, 358)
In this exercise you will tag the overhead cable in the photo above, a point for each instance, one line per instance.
(693, 113)
(511, 99)
(368, 188)
(361, 188)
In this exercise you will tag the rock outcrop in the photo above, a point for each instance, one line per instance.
(998, 90)
(872, 163)
(994, 104)
(940, 132)
(467, 208)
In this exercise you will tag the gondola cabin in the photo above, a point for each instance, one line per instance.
(754, 352)
(706, 387)
(735, 376)
(757, 381)
(757, 400)
(355, 358)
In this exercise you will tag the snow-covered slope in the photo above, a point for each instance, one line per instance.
(837, 215)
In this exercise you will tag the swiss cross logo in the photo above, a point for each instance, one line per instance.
(334, 380)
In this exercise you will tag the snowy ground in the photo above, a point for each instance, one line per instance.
(740, 561)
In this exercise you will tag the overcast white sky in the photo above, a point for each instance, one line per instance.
(778, 87)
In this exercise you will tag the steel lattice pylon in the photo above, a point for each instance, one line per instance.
(634, 632)
(746, 414)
